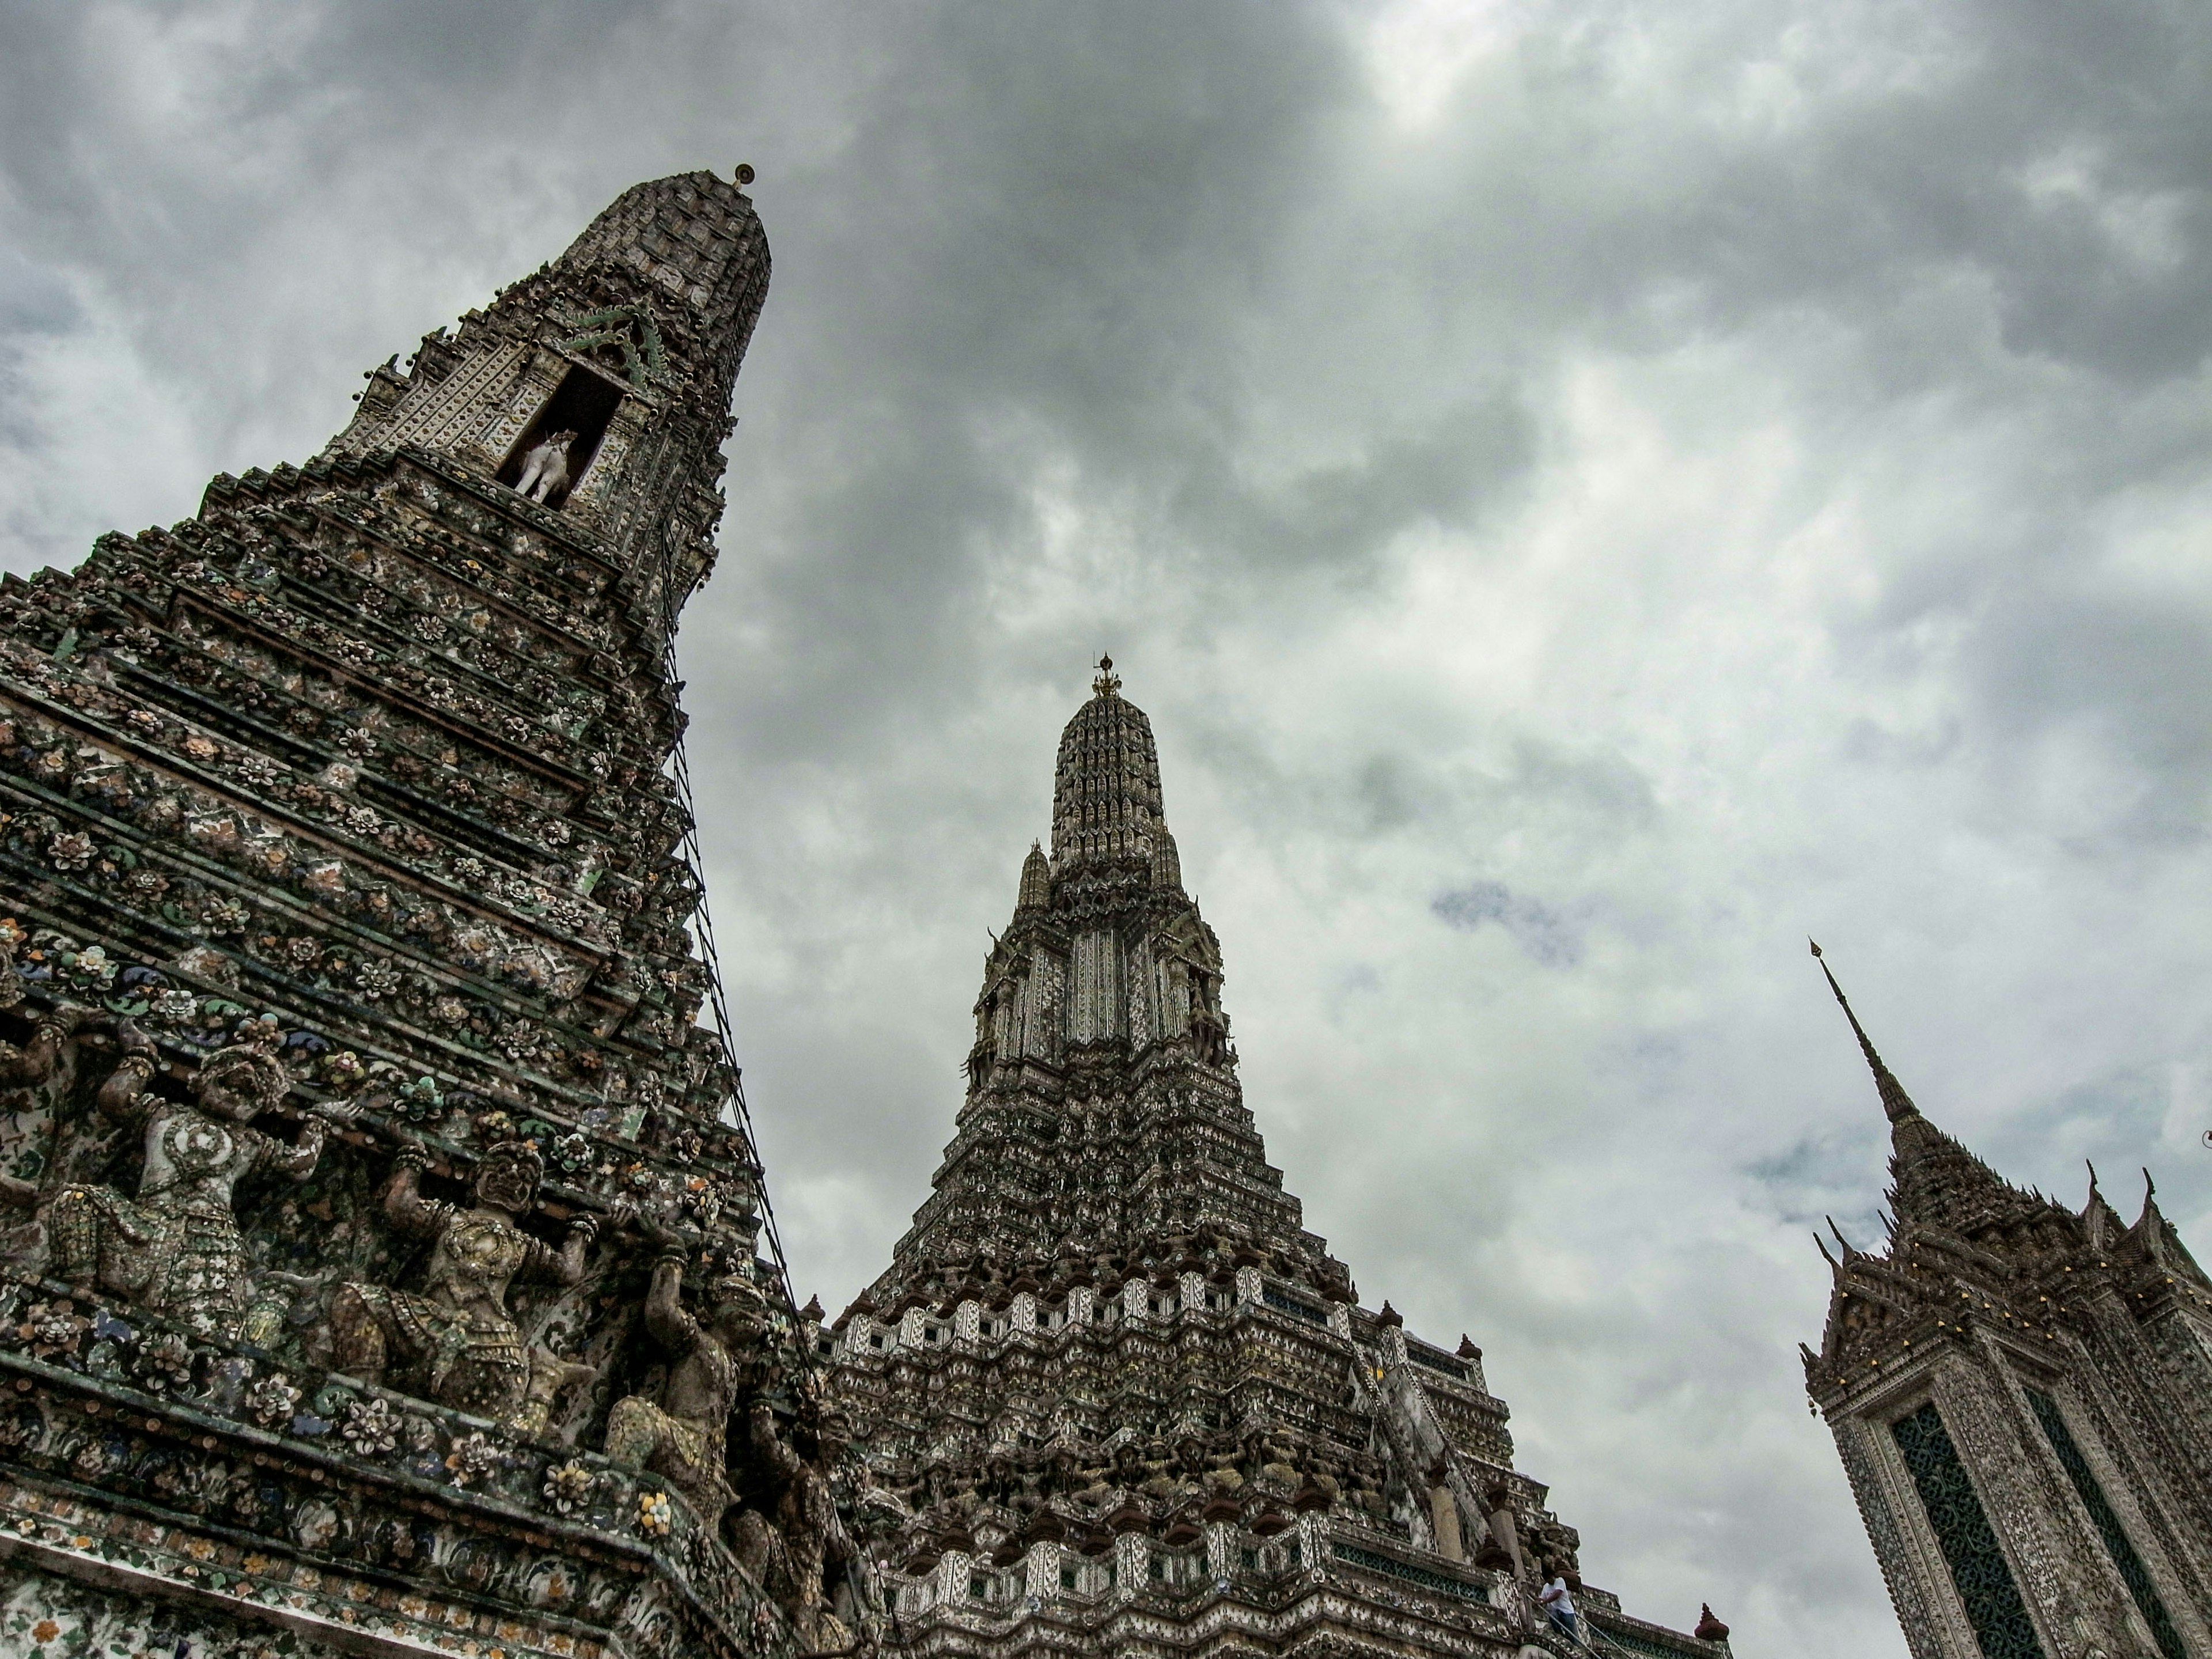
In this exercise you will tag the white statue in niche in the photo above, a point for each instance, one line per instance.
(545, 468)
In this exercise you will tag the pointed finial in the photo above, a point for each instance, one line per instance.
(1896, 1104)
(2150, 1220)
(1107, 682)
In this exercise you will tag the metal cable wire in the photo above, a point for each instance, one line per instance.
(703, 931)
(860, 1569)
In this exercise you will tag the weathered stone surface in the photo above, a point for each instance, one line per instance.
(345, 961)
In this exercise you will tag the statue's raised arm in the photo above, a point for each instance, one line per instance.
(682, 1435)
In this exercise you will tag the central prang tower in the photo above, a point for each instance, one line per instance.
(1111, 1394)
(377, 1233)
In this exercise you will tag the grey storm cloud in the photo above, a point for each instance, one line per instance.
(1538, 929)
(1635, 481)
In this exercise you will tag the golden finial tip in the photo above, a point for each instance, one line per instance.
(1815, 944)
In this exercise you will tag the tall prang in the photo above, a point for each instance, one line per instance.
(1110, 1395)
(2020, 1392)
(380, 1275)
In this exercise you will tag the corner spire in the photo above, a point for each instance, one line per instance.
(1037, 880)
(1896, 1104)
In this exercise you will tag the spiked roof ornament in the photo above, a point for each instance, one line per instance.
(1896, 1104)
(1937, 1182)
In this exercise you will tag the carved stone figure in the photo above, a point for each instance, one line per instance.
(32, 1063)
(552, 1377)
(25, 1067)
(545, 468)
(175, 1248)
(11, 986)
(683, 1435)
(791, 1550)
(454, 1341)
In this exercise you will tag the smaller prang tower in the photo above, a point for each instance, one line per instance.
(2022, 1397)
(1110, 1395)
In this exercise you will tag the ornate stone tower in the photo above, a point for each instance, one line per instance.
(1112, 1396)
(353, 1051)
(2022, 1397)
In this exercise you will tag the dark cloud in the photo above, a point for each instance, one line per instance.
(1542, 932)
(1741, 465)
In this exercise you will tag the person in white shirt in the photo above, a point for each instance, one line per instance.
(1560, 1603)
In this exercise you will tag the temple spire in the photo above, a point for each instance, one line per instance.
(1106, 808)
(1896, 1104)
(597, 388)
(1937, 1182)
(1036, 881)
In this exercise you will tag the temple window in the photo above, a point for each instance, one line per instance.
(581, 406)
(1963, 1533)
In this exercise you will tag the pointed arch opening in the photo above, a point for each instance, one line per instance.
(583, 406)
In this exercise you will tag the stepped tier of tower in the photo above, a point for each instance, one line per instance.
(1111, 1395)
(2020, 1394)
(359, 1134)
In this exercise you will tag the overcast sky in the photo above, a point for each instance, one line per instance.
(1588, 493)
